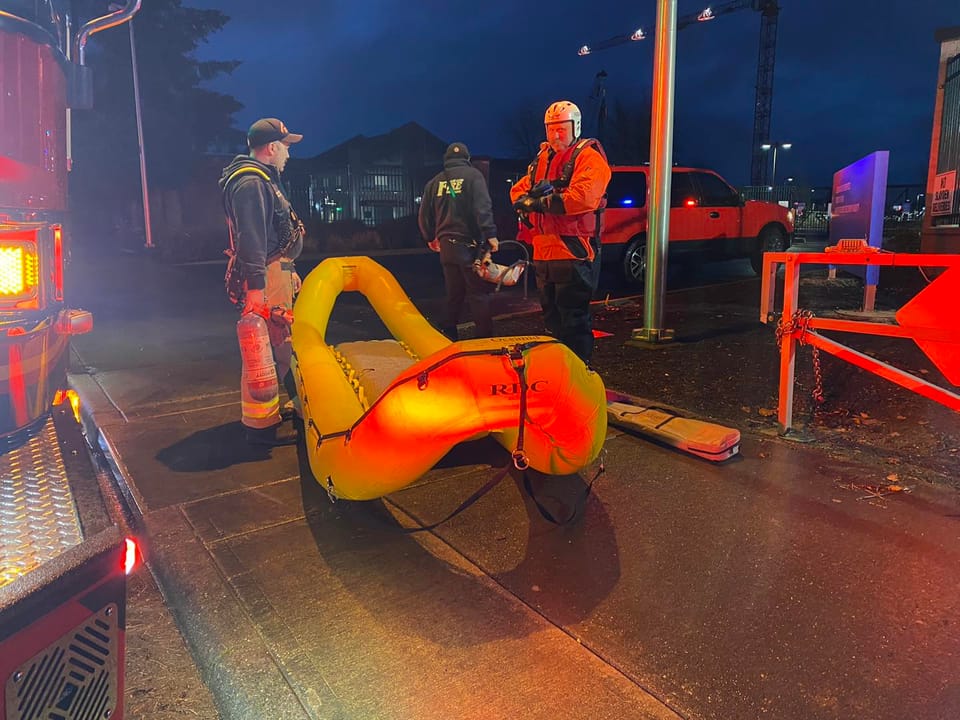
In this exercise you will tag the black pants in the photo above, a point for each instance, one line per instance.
(566, 288)
(464, 285)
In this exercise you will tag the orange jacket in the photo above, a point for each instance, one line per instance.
(565, 235)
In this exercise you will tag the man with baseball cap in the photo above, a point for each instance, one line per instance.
(268, 130)
(266, 236)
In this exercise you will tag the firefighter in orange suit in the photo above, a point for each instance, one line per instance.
(561, 199)
(265, 238)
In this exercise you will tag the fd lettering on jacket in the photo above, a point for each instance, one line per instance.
(454, 187)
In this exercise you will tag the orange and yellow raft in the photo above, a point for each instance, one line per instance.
(379, 414)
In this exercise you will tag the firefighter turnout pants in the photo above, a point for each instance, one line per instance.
(566, 288)
(259, 389)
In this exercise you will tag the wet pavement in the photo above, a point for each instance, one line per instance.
(760, 587)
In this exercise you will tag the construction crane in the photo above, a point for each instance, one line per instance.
(600, 93)
(763, 108)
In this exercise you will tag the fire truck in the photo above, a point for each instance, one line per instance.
(64, 554)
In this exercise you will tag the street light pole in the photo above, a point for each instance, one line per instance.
(775, 146)
(148, 235)
(661, 168)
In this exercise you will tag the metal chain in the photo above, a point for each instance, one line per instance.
(799, 325)
(817, 377)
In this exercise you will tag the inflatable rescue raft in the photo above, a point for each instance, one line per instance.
(379, 414)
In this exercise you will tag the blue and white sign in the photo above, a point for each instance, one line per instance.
(859, 192)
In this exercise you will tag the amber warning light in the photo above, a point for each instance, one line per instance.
(69, 396)
(19, 272)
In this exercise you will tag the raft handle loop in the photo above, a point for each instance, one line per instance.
(422, 380)
(520, 461)
(321, 437)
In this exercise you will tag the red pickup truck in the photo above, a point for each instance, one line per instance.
(708, 221)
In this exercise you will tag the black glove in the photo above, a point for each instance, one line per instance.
(527, 204)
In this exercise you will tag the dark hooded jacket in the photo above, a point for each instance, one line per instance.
(259, 216)
(465, 213)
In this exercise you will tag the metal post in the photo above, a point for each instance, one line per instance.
(773, 172)
(661, 164)
(788, 345)
(143, 159)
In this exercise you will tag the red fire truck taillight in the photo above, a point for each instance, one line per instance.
(19, 272)
(131, 555)
(57, 263)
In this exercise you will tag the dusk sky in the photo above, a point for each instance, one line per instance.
(851, 77)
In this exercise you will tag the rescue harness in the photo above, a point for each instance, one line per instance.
(287, 223)
(566, 174)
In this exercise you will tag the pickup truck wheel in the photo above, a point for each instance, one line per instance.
(635, 261)
(770, 239)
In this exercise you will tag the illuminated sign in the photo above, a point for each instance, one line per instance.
(859, 192)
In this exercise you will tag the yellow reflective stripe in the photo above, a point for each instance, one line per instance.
(259, 410)
(247, 169)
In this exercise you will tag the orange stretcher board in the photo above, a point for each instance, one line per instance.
(697, 437)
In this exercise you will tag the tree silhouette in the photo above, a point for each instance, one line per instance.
(181, 118)
(524, 127)
(628, 133)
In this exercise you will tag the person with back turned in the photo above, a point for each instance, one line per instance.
(456, 220)
(561, 198)
(265, 238)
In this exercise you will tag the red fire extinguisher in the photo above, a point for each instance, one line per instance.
(259, 370)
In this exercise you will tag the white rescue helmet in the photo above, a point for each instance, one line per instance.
(563, 111)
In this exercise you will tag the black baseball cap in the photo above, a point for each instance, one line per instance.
(268, 130)
(456, 150)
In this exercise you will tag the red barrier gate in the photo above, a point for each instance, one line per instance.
(929, 319)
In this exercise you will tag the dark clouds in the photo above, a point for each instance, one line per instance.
(850, 77)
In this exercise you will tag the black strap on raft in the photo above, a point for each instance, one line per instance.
(479, 493)
(519, 365)
(577, 506)
(496, 480)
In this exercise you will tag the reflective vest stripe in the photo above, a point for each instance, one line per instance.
(260, 410)
(246, 169)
